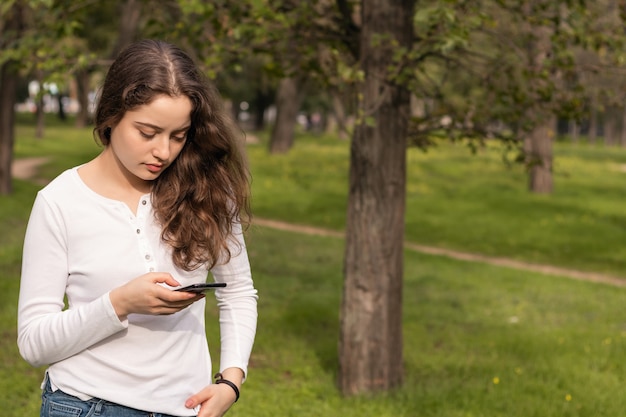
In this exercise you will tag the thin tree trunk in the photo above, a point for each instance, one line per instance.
(130, 13)
(288, 100)
(40, 121)
(339, 113)
(593, 122)
(61, 113)
(82, 95)
(538, 141)
(8, 84)
(623, 130)
(609, 128)
(370, 346)
(538, 151)
(262, 101)
(574, 130)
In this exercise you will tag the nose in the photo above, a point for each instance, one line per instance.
(161, 149)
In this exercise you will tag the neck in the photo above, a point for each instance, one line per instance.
(116, 176)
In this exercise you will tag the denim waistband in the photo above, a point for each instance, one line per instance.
(60, 404)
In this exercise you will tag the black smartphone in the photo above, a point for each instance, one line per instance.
(201, 287)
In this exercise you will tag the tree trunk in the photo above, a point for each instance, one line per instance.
(339, 113)
(8, 85)
(288, 100)
(262, 100)
(538, 139)
(370, 346)
(574, 130)
(8, 82)
(538, 151)
(609, 128)
(82, 95)
(623, 130)
(593, 121)
(40, 121)
(130, 13)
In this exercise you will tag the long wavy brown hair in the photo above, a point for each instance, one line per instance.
(198, 199)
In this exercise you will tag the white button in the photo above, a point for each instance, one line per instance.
(138, 231)
(147, 257)
(144, 202)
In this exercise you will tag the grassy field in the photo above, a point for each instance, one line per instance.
(471, 203)
(479, 340)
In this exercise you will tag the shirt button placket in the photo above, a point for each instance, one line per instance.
(143, 244)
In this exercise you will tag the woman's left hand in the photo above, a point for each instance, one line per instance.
(216, 399)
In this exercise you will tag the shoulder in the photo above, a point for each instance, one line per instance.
(64, 187)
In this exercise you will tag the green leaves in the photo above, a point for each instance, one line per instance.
(489, 63)
(476, 62)
(44, 40)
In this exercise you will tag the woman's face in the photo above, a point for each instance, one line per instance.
(150, 137)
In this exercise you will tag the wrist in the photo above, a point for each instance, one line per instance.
(116, 302)
(219, 379)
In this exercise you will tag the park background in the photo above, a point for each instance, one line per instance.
(479, 338)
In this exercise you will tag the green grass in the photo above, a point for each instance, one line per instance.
(464, 325)
(68, 146)
(470, 203)
(479, 340)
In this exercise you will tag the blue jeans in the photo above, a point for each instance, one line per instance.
(60, 404)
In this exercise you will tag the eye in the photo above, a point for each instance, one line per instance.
(146, 135)
(180, 138)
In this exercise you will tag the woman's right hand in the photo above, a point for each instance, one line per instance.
(144, 295)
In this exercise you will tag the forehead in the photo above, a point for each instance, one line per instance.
(164, 111)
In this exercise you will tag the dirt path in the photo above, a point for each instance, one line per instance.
(27, 169)
(463, 256)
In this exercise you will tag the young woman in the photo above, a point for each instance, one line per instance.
(159, 208)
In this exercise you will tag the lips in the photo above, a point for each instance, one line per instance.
(154, 167)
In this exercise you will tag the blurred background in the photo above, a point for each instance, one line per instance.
(438, 191)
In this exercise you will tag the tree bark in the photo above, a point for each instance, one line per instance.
(339, 113)
(288, 100)
(262, 100)
(40, 122)
(538, 151)
(593, 121)
(130, 13)
(574, 130)
(622, 140)
(82, 95)
(370, 346)
(609, 127)
(8, 82)
(538, 139)
(13, 26)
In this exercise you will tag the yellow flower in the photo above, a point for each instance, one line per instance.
(568, 397)
(496, 380)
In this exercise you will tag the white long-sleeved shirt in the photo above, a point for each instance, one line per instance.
(81, 245)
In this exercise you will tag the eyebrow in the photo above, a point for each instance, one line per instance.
(160, 129)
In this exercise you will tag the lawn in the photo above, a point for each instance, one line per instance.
(473, 203)
(479, 340)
